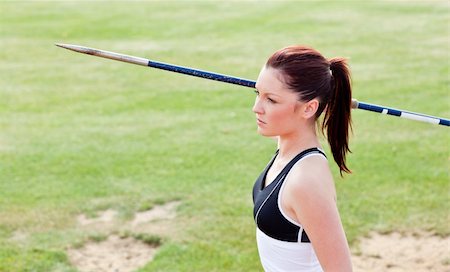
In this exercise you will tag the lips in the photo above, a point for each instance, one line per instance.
(259, 121)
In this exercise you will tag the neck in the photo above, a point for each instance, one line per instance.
(303, 138)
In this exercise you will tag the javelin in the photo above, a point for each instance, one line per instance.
(242, 82)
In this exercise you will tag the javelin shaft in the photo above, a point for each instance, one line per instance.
(241, 81)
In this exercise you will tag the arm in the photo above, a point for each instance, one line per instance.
(310, 197)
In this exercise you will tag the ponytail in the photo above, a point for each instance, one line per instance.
(337, 119)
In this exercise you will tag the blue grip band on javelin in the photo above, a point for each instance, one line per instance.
(394, 112)
(369, 107)
(444, 122)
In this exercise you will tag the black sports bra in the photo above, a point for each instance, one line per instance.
(267, 213)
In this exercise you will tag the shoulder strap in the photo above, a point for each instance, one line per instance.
(301, 155)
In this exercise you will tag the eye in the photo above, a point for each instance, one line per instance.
(271, 100)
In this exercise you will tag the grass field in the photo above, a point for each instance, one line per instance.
(80, 134)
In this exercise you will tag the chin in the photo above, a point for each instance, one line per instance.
(266, 133)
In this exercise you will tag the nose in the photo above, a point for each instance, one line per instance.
(257, 107)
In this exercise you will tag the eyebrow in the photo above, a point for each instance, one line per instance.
(269, 93)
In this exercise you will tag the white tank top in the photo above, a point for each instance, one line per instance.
(281, 256)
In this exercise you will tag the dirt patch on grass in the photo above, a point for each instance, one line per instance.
(104, 217)
(161, 212)
(397, 252)
(113, 254)
(107, 251)
(19, 236)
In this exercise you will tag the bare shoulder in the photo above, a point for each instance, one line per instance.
(311, 176)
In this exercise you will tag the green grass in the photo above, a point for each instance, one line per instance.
(83, 134)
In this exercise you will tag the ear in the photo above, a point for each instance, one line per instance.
(309, 109)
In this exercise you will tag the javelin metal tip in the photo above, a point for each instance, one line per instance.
(76, 48)
(104, 54)
(63, 45)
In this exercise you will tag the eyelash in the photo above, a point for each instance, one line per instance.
(269, 99)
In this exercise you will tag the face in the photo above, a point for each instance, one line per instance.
(276, 107)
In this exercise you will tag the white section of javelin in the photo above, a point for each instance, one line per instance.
(106, 54)
(419, 118)
(385, 111)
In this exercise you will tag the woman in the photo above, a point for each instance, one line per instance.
(298, 223)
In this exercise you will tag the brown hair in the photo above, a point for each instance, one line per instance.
(311, 75)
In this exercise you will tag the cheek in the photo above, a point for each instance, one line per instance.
(280, 119)
(282, 114)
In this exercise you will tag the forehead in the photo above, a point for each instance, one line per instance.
(271, 80)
